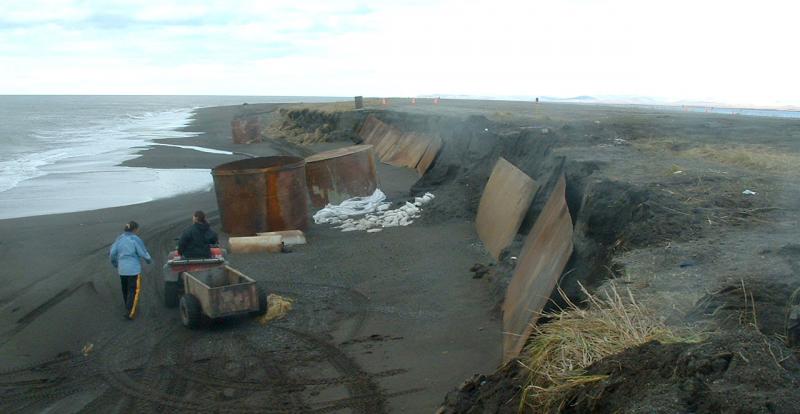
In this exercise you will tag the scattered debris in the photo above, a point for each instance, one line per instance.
(278, 306)
(621, 141)
(87, 349)
(372, 338)
(479, 270)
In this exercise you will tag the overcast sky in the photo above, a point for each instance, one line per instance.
(743, 52)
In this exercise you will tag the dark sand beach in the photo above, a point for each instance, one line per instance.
(370, 329)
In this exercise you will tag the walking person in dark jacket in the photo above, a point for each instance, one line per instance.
(195, 240)
(126, 255)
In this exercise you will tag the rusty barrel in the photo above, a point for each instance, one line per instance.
(336, 175)
(262, 194)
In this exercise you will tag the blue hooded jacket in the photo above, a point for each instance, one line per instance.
(126, 254)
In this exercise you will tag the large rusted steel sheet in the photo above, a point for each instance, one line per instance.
(388, 138)
(503, 205)
(262, 194)
(429, 156)
(365, 131)
(545, 254)
(336, 175)
(245, 130)
(409, 150)
(395, 147)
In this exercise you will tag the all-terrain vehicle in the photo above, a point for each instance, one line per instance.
(209, 288)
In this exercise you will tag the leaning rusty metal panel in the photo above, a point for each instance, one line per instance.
(367, 129)
(399, 141)
(545, 254)
(503, 205)
(389, 138)
(409, 150)
(379, 139)
(336, 175)
(429, 156)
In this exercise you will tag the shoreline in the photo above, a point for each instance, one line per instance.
(71, 239)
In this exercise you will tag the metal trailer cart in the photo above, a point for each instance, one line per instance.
(217, 292)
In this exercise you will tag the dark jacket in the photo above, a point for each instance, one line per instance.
(194, 241)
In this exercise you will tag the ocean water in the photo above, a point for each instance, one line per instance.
(60, 154)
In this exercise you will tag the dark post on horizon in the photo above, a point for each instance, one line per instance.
(359, 102)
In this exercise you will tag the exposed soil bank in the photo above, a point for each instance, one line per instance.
(730, 373)
(657, 200)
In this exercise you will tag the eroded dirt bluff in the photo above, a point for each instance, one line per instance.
(659, 206)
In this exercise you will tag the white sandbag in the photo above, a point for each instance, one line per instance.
(355, 206)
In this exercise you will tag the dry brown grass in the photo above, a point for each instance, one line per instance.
(331, 107)
(754, 157)
(575, 338)
(278, 307)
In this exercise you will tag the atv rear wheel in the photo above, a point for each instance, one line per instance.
(171, 294)
(261, 294)
(191, 312)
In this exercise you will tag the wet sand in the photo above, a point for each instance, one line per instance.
(381, 323)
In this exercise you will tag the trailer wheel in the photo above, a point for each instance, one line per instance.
(262, 301)
(191, 312)
(171, 294)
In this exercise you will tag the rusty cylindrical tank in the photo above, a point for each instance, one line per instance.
(336, 175)
(262, 194)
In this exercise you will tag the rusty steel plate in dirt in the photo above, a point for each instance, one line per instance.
(503, 205)
(388, 136)
(409, 150)
(336, 175)
(429, 156)
(395, 147)
(381, 135)
(545, 254)
(367, 129)
(262, 194)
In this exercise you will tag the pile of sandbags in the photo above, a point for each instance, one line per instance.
(356, 206)
(380, 216)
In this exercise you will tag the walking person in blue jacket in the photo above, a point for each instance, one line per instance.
(126, 255)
